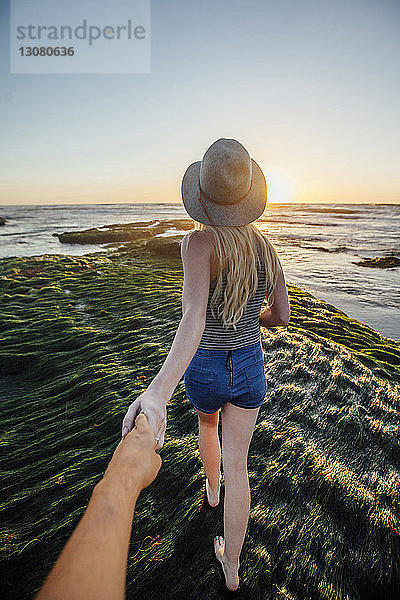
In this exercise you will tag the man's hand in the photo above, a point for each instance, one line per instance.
(155, 410)
(135, 461)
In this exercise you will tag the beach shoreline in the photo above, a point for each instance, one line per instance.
(319, 245)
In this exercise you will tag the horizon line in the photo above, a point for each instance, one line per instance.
(181, 204)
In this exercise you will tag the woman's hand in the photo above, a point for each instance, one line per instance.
(154, 409)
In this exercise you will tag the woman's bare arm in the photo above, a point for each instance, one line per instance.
(196, 267)
(279, 312)
(196, 285)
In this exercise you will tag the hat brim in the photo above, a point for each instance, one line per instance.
(246, 211)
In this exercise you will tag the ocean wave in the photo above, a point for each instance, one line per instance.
(300, 242)
(323, 249)
(330, 210)
(296, 222)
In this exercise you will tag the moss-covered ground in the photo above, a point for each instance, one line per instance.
(82, 336)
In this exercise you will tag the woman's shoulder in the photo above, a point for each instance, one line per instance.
(198, 237)
(198, 234)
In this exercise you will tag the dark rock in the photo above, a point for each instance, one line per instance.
(98, 236)
(2, 221)
(122, 233)
(379, 262)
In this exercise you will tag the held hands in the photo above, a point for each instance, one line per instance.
(156, 412)
(134, 460)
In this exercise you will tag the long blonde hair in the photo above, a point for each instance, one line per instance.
(236, 248)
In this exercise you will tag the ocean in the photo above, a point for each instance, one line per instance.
(317, 244)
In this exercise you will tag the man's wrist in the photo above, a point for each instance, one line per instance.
(115, 489)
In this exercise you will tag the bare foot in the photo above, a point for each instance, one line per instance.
(230, 571)
(213, 497)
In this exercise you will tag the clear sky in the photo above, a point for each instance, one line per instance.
(310, 87)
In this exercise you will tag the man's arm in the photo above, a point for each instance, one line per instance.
(92, 565)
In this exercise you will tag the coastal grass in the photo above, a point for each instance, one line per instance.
(81, 337)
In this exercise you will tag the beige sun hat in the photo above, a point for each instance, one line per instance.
(226, 187)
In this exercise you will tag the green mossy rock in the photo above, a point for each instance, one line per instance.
(169, 247)
(81, 337)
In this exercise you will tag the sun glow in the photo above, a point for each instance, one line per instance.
(279, 188)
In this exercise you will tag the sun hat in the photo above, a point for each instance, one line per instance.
(226, 187)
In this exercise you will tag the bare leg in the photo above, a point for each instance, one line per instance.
(237, 430)
(210, 452)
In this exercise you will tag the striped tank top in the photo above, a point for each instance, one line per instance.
(247, 328)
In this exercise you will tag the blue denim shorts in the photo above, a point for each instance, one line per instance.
(215, 377)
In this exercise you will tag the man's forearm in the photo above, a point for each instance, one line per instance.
(92, 565)
(186, 341)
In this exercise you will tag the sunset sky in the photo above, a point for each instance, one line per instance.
(311, 88)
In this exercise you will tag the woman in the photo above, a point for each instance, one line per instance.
(229, 269)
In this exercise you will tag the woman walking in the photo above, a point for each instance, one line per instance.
(229, 267)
